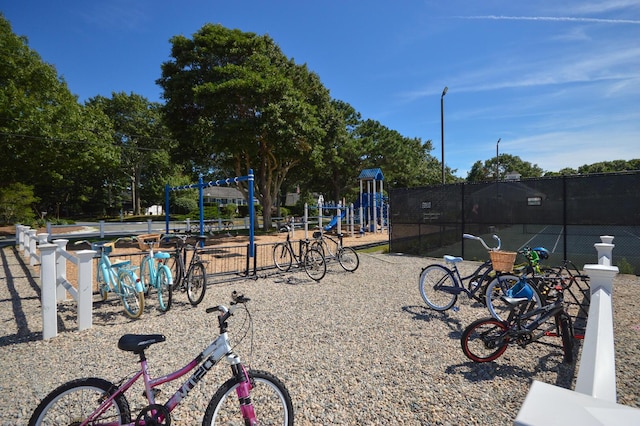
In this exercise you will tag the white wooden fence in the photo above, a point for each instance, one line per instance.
(594, 400)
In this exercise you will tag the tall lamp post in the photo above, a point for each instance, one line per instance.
(444, 92)
(497, 160)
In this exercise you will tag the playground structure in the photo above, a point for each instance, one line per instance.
(370, 211)
(201, 185)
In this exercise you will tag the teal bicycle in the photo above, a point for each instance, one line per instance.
(119, 278)
(155, 274)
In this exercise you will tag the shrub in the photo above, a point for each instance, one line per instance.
(16, 202)
(624, 267)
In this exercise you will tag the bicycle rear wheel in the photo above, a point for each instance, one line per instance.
(74, 401)
(196, 284)
(437, 287)
(348, 259)
(566, 333)
(174, 263)
(484, 340)
(269, 397)
(165, 288)
(314, 264)
(132, 299)
(282, 256)
(499, 308)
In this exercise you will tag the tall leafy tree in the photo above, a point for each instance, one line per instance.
(143, 143)
(49, 141)
(234, 97)
(508, 163)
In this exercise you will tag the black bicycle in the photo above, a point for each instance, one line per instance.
(333, 248)
(307, 257)
(191, 278)
(487, 339)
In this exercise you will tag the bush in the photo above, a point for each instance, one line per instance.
(624, 267)
(16, 201)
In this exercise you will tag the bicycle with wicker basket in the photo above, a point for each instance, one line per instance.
(440, 285)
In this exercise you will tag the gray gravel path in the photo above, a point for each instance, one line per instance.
(357, 348)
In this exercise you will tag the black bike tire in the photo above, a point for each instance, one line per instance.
(165, 288)
(566, 333)
(174, 263)
(94, 383)
(492, 295)
(315, 264)
(470, 333)
(351, 253)
(197, 270)
(441, 273)
(282, 257)
(228, 389)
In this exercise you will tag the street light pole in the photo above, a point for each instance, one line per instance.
(444, 92)
(497, 160)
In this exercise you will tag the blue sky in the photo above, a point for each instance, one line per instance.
(557, 82)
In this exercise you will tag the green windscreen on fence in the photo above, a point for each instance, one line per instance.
(566, 215)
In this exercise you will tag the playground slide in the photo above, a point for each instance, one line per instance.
(334, 221)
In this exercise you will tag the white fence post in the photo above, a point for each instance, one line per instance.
(25, 242)
(597, 373)
(33, 255)
(48, 290)
(61, 270)
(101, 228)
(85, 288)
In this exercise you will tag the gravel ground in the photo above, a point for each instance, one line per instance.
(355, 348)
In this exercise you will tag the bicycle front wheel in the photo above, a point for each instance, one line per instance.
(499, 308)
(174, 263)
(132, 299)
(103, 287)
(348, 259)
(196, 284)
(74, 401)
(484, 340)
(282, 256)
(314, 264)
(269, 397)
(165, 289)
(438, 287)
(145, 273)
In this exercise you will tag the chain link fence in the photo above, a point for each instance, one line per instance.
(566, 215)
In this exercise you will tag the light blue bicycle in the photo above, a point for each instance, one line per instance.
(155, 274)
(119, 278)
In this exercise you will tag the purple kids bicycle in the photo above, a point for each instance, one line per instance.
(249, 397)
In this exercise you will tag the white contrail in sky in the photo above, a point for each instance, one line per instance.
(553, 18)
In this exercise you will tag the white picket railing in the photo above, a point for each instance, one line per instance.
(594, 400)
(55, 285)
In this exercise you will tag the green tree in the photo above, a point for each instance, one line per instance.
(508, 163)
(141, 137)
(17, 204)
(234, 98)
(49, 141)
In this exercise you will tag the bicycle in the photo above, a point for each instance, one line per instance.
(191, 278)
(487, 339)
(440, 285)
(334, 249)
(311, 259)
(154, 274)
(119, 278)
(260, 395)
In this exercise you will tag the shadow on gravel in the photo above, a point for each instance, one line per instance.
(551, 362)
(421, 313)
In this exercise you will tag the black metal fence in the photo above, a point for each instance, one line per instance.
(566, 215)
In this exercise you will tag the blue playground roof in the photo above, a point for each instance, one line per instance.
(371, 174)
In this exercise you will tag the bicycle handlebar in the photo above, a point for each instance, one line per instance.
(224, 312)
(495, 237)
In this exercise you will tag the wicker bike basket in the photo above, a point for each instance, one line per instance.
(144, 238)
(502, 260)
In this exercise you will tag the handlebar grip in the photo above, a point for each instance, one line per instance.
(470, 237)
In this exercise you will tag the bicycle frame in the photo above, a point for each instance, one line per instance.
(206, 360)
(545, 312)
(110, 272)
(487, 270)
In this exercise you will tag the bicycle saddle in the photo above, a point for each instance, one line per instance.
(137, 343)
(452, 259)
